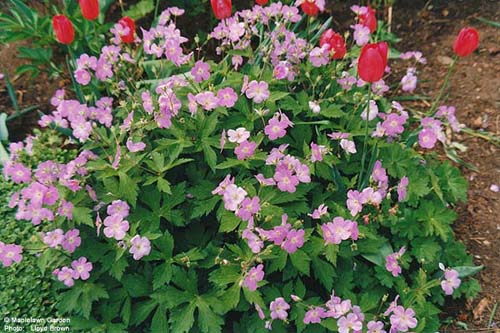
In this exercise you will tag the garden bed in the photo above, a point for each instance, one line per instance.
(426, 29)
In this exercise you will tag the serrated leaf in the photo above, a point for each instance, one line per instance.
(324, 272)
(182, 318)
(128, 188)
(208, 320)
(300, 260)
(83, 215)
(159, 323)
(162, 274)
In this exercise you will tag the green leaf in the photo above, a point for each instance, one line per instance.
(128, 188)
(137, 285)
(142, 310)
(229, 222)
(324, 272)
(232, 162)
(91, 293)
(331, 251)
(210, 155)
(159, 322)
(464, 271)
(225, 275)
(208, 321)
(162, 274)
(83, 215)
(277, 95)
(4, 133)
(140, 9)
(182, 318)
(301, 260)
(164, 185)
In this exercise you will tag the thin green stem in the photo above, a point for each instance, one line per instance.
(443, 87)
(156, 8)
(363, 157)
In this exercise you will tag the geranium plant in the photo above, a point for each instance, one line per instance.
(274, 188)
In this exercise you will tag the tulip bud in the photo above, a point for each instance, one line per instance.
(309, 7)
(127, 22)
(372, 61)
(90, 9)
(336, 43)
(222, 8)
(63, 28)
(467, 42)
(369, 19)
(262, 2)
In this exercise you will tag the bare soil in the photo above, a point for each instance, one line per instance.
(431, 27)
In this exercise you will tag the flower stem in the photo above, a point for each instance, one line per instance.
(363, 157)
(443, 87)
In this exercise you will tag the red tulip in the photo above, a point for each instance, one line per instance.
(129, 23)
(369, 19)
(372, 61)
(222, 8)
(63, 28)
(262, 2)
(337, 45)
(90, 9)
(466, 42)
(309, 7)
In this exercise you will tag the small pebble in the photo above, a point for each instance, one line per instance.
(494, 188)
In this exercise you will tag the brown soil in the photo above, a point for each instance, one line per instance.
(431, 27)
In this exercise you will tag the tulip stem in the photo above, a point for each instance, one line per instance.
(363, 157)
(443, 87)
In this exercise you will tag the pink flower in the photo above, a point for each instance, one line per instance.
(279, 309)
(115, 227)
(221, 188)
(233, 196)
(337, 231)
(375, 327)
(450, 282)
(314, 315)
(427, 138)
(402, 188)
(239, 135)
(320, 56)
(373, 111)
(317, 152)
(361, 34)
(200, 71)
(402, 319)
(71, 240)
(286, 181)
(245, 149)
(10, 253)
(227, 97)
(81, 268)
(18, 173)
(294, 240)
(348, 323)
(134, 147)
(354, 202)
(392, 264)
(54, 238)
(249, 207)
(254, 242)
(82, 76)
(348, 146)
(278, 234)
(141, 247)
(265, 181)
(207, 100)
(257, 91)
(277, 125)
(320, 211)
(254, 276)
(118, 207)
(66, 275)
